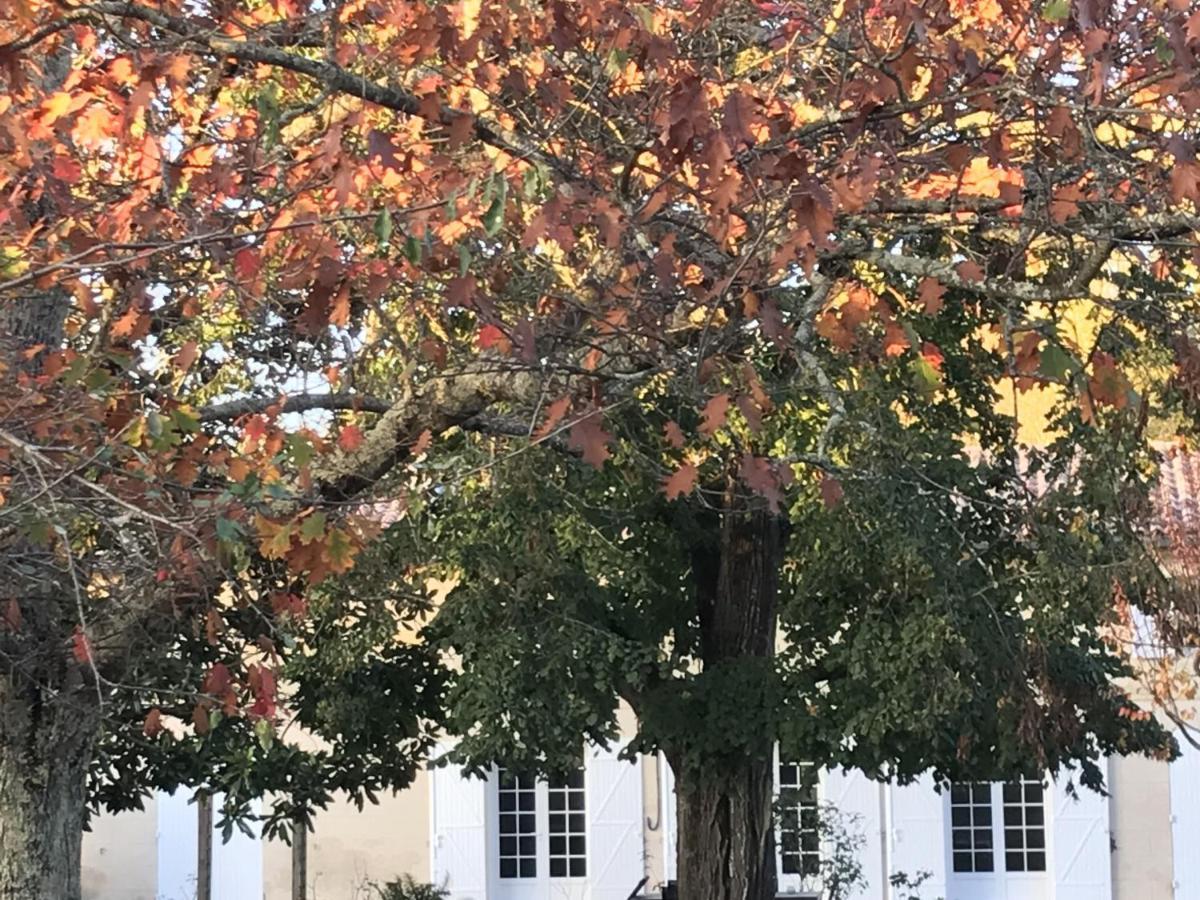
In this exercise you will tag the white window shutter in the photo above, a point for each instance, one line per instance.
(616, 858)
(1185, 820)
(1081, 848)
(237, 867)
(857, 797)
(919, 834)
(666, 818)
(177, 845)
(460, 833)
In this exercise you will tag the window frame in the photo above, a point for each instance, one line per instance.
(543, 860)
(999, 836)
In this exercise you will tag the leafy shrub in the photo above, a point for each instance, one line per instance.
(408, 888)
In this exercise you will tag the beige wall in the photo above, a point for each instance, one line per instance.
(348, 849)
(1140, 817)
(119, 855)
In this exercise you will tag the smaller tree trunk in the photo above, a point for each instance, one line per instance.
(726, 837)
(45, 748)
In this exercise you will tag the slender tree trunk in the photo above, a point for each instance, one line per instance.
(726, 839)
(45, 748)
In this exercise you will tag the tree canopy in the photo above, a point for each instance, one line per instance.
(765, 267)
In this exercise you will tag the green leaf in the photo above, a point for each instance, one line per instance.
(313, 528)
(412, 248)
(1056, 363)
(1056, 10)
(926, 379)
(494, 217)
(228, 530)
(383, 227)
(268, 115)
(464, 260)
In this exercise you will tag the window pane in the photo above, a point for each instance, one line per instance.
(517, 831)
(568, 844)
(799, 837)
(1024, 834)
(971, 826)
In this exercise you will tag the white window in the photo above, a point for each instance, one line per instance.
(1009, 817)
(541, 826)
(799, 834)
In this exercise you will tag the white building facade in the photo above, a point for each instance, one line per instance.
(596, 834)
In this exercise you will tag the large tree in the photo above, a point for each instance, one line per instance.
(526, 219)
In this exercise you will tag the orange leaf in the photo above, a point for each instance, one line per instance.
(554, 414)
(674, 434)
(350, 438)
(590, 439)
(682, 481)
(55, 107)
(715, 413)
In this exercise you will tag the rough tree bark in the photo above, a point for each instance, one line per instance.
(724, 820)
(45, 747)
(49, 713)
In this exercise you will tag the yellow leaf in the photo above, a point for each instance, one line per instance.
(55, 107)
(468, 20)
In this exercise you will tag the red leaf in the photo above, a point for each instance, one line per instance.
(247, 262)
(554, 414)
(590, 439)
(350, 438)
(932, 291)
(715, 413)
(186, 356)
(491, 336)
(11, 616)
(674, 434)
(681, 481)
(153, 724)
(67, 170)
(424, 439)
(760, 477)
(932, 355)
(81, 647)
(200, 719)
(253, 432)
(969, 270)
(831, 491)
(218, 681)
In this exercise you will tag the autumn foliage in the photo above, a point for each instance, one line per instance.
(290, 247)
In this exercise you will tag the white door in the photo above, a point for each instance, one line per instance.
(1081, 846)
(1185, 821)
(459, 833)
(918, 834)
(177, 845)
(858, 800)
(616, 855)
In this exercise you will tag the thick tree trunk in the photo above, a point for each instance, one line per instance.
(44, 754)
(49, 713)
(726, 838)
